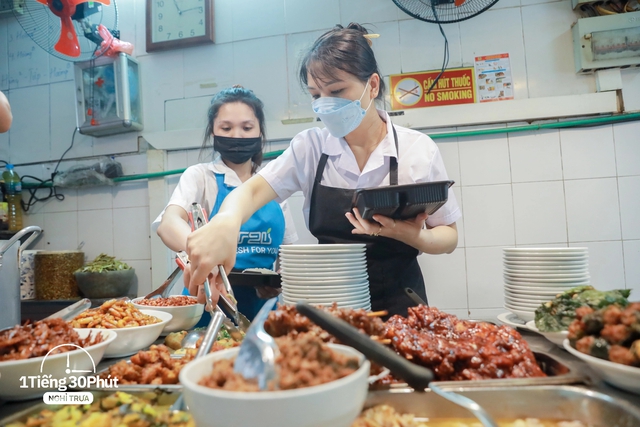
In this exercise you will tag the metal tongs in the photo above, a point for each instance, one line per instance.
(198, 218)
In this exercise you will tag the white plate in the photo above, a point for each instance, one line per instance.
(298, 288)
(555, 337)
(553, 259)
(543, 255)
(339, 300)
(537, 276)
(562, 269)
(540, 299)
(284, 252)
(622, 376)
(365, 306)
(512, 320)
(324, 247)
(329, 269)
(537, 302)
(324, 258)
(523, 314)
(358, 277)
(546, 250)
(547, 264)
(522, 307)
(333, 282)
(540, 290)
(554, 283)
(360, 293)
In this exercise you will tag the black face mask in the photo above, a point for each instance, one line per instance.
(237, 150)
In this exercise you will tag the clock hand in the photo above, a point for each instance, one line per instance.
(176, 4)
(193, 8)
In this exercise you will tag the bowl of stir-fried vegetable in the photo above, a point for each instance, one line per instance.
(104, 277)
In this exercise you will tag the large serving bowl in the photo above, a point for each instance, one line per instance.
(131, 340)
(107, 284)
(616, 374)
(334, 404)
(184, 317)
(14, 374)
(555, 337)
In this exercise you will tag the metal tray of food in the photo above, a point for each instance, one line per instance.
(542, 402)
(163, 398)
(557, 374)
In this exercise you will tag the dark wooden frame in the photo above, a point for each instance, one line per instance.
(208, 36)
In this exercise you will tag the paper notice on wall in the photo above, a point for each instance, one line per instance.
(493, 78)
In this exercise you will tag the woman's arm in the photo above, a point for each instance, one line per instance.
(216, 243)
(174, 228)
(5, 113)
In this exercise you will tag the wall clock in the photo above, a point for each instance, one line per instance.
(173, 24)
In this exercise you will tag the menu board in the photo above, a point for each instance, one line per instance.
(493, 78)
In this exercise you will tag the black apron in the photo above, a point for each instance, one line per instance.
(391, 264)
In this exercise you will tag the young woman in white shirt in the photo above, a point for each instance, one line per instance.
(236, 124)
(358, 148)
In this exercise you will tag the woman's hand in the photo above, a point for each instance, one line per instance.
(208, 247)
(402, 230)
(215, 282)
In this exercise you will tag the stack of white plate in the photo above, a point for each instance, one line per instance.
(324, 274)
(533, 276)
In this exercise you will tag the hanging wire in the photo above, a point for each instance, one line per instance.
(445, 59)
(45, 184)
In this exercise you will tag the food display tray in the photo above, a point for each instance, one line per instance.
(402, 201)
(543, 402)
(557, 374)
(169, 396)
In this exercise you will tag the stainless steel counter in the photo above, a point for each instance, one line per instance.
(537, 343)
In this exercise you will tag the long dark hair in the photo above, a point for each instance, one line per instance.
(345, 49)
(235, 93)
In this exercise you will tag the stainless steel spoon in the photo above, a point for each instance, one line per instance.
(418, 377)
(258, 351)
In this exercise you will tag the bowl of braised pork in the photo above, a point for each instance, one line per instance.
(48, 355)
(318, 385)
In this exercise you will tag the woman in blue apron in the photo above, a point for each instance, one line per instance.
(237, 126)
(358, 148)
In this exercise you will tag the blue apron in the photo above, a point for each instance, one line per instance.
(258, 243)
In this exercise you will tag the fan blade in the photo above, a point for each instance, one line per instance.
(459, 3)
(43, 2)
(68, 42)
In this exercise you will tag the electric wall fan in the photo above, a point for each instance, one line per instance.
(73, 30)
(444, 11)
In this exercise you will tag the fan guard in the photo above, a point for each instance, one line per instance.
(43, 27)
(446, 11)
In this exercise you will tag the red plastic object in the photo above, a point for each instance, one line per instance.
(64, 9)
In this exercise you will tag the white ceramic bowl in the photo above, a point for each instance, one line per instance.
(334, 404)
(555, 337)
(131, 340)
(184, 317)
(621, 376)
(86, 359)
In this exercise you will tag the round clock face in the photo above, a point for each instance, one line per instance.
(177, 19)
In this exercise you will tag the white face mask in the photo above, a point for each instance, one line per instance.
(340, 116)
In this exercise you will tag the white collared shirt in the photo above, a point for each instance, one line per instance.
(198, 184)
(419, 160)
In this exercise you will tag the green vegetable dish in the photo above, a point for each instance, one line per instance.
(104, 263)
(557, 315)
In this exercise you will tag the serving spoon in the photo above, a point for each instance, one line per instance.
(258, 351)
(418, 377)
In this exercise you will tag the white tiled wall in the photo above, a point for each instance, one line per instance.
(575, 187)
